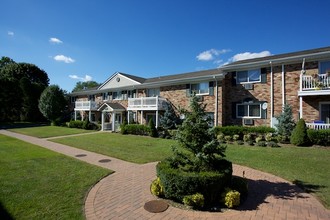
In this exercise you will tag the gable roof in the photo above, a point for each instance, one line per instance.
(130, 80)
(113, 106)
(309, 55)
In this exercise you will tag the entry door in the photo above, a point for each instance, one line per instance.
(325, 112)
(117, 121)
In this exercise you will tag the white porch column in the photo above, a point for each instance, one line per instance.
(113, 116)
(102, 121)
(127, 117)
(300, 107)
(89, 115)
(156, 118)
(75, 115)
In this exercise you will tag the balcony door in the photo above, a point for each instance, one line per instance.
(325, 112)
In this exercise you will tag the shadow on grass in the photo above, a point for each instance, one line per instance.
(4, 213)
(259, 190)
(10, 125)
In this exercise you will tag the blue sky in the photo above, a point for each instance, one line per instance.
(77, 40)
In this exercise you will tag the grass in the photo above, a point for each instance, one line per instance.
(307, 167)
(136, 149)
(37, 183)
(49, 131)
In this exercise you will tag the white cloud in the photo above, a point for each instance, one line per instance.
(210, 54)
(10, 33)
(85, 79)
(65, 59)
(55, 40)
(249, 55)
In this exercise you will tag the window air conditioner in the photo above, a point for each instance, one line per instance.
(248, 86)
(248, 121)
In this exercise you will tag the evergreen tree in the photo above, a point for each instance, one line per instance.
(169, 120)
(299, 135)
(196, 136)
(285, 123)
(153, 130)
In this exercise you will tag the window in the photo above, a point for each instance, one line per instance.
(106, 96)
(91, 98)
(248, 110)
(325, 112)
(324, 67)
(150, 116)
(116, 95)
(131, 93)
(200, 88)
(153, 92)
(248, 76)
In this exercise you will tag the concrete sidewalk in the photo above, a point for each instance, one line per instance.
(123, 194)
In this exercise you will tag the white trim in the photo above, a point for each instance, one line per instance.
(114, 76)
(248, 104)
(283, 86)
(248, 82)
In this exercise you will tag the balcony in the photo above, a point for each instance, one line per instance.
(146, 103)
(85, 105)
(314, 85)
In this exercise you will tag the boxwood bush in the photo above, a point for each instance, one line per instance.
(319, 137)
(135, 129)
(241, 130)
(178, 183)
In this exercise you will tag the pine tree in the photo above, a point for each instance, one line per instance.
(299, 135)
(285, 123)
(153, 130)
(169, 120)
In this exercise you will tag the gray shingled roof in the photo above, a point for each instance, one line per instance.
(279, 56)
(136, 78)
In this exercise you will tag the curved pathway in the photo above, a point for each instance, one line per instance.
(123, 194)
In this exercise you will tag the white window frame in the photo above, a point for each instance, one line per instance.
(155, 91)
(248, 110)
(119, 95)
(320, 109)
(320, 67)
(198, 91)
(248, 79)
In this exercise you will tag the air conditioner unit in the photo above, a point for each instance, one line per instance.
(248, 86)
(248, 121)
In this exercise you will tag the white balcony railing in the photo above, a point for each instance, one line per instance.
(85, 105)
(318, 126)
(315, 83)
(146, 103)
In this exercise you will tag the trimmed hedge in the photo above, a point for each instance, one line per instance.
(135, 129)
(178, 183)
(319, 137)
(76, 124)
(240, 130)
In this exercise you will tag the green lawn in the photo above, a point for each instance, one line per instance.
(137, 149)
(37, 183)
(49, 131)
(308, 167)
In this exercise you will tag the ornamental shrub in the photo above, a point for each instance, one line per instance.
(240, 184)
(135, 129)
(228, 138)
(319, 137)
(157, 188)
(261, 143)
(152, 129)
(286, 123)
(231, 198)
(195, 200)
(235, 137)
(76, 124)
(178, 183)
(299, 134)
(247, 138)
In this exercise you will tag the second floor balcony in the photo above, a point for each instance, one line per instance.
(314, 85)
(147, 103)
(85, 105)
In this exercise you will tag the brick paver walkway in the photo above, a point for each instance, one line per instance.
(123, 194)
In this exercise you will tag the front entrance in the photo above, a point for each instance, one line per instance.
(118, 120)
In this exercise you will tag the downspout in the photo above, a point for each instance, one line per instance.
(216, 101)
(271, 94)
(283, 87)
(300, 89)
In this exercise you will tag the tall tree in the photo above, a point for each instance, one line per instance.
(85, 85)
(53, 102)
(22, 84)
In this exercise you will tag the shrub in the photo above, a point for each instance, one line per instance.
(153, 131)
(178, 183)
(228, 138)
(235, 137)
(240, 184)
(240, 142)
(272, 144)
(135, 129)
(285, 123)
(259, 138)
(221, 137)
(269, 137)
(250, 142)
(299, 134)
(240, 130)
(157, 188)
(247, 138)
(76, 124)
(261, 144)
(319, 137)
(85, 124)
(195, 200)
(231, 198)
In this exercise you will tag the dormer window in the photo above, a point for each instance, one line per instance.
(248, 76)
